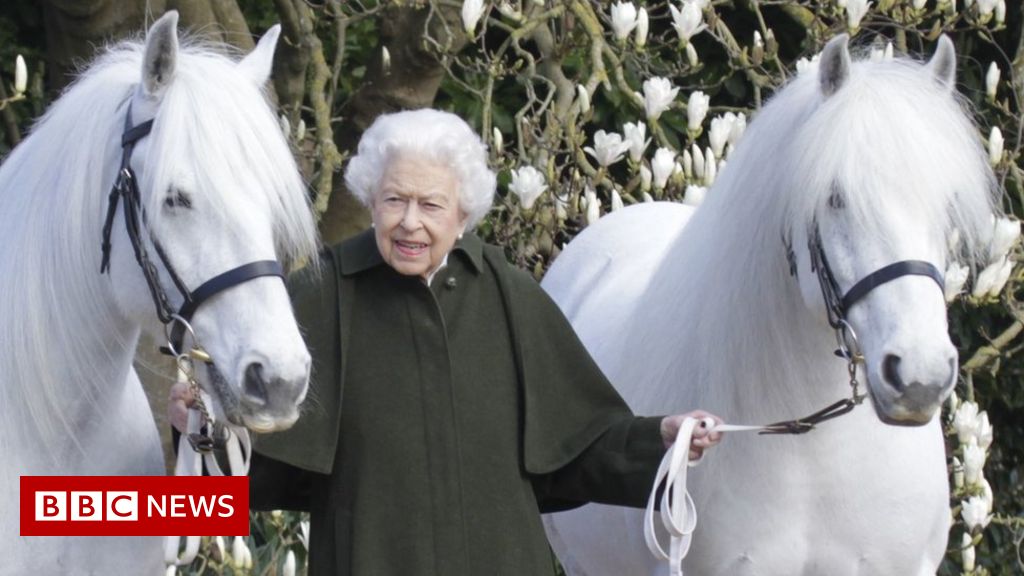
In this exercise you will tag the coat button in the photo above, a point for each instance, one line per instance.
(450, 283)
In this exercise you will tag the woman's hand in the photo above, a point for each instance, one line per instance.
(178, 403)
(702, 437)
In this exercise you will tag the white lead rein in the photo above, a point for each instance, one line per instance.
(678, 512)
(190, 463)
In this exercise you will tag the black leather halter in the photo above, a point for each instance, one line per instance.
(126, 188)
(838, 307)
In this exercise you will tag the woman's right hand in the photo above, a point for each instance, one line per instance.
(178, 403)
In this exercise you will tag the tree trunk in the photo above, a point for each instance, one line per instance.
(76, 29)
(411, 82)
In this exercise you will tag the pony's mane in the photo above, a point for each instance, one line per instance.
(893, 136)
(53, 195)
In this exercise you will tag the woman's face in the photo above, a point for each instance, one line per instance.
(416, 215)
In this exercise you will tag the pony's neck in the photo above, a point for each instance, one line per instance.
(740, 340)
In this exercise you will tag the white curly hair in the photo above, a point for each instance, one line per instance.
(431, 134)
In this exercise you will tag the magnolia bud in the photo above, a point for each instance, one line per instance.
(691, 54)
(20, 75)
(992, 80)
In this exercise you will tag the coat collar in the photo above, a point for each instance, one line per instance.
(360, 253)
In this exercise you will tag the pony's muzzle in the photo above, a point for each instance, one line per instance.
(270, 401)
(913, 394)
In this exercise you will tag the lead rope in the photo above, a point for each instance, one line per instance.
(197, 444)
(677, 511)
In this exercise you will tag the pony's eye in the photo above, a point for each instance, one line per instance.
(836, 199)
(177, 199)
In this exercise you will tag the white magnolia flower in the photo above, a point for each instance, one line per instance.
(986, 7)
(647, 197)
(636, 135)
(304, 533)
(984, 431)
(958, 473)
(623, 19)
(582, 98)
(385, 60)
(616, 201)
(687, 164)
(995, 145)
(593, 206)
(288, 569)
(718, 136)
(882, 54)
(221, 548)
(528, 184)
(238, 550)
(965, 421)
(472, 10)
(286, 126)
(691, 55)
(967, 4)
(300, 130)
(956, 277)
(688, 21)
(1000, 11)
(698, 161)
(694, 195)
(855, 11)
(642, 26)
(662, 165)
(739, 126)
(697, 110)
(987, 495)
(498, 140)
(608, 148)
(645, 178)
(658, 96)
(974, 514)
(1005, 234)
(967, 553)
(758, 40)
(974, 462)
(172, 570)
(710, 168)
(991, 280)
(919, 4)
(805, 65)
(992, 80)
(841, 3)
(20, 75)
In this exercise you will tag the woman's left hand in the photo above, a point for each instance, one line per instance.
(703, 437)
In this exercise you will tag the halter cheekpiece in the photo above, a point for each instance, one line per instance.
(126, 187)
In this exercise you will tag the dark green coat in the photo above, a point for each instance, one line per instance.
(469, 407)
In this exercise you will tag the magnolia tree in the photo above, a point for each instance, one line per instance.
(590, 106)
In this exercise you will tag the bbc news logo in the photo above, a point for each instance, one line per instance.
(134, 505)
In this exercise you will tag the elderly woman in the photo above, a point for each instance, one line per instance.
(451, 402)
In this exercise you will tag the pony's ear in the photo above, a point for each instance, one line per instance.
(943, 63)
(834, 68)
(258, 63)
(161, 54)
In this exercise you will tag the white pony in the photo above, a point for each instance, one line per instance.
(727, 314)
(218, 189)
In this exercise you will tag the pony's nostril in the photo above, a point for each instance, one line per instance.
(254, 386)
(891, 371)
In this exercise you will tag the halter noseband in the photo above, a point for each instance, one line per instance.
(126, 187)
(838, 307)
